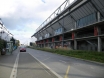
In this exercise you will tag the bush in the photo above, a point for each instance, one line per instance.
(2, 44)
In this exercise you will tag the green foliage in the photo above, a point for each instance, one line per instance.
(88, 55)
(2, 44)
(17, 43)
(12, 39)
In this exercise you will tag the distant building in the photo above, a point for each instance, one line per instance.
(4, 33)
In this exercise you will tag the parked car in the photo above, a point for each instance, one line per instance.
(22, 49)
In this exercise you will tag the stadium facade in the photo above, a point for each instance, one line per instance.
(78, 26)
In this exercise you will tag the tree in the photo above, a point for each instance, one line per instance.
(12, 39)
(2, 44)
(17, 42)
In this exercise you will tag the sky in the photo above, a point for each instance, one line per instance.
(23, 17)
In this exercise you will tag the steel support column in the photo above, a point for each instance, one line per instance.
(99, 40)
(98, 16)
(62, 43)
(54, 45)
(75, 25)
(99, 44)
(75, 44)
(44, 44)
(75, 41)
(61, 39)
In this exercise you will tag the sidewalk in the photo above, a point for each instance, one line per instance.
(6, 64)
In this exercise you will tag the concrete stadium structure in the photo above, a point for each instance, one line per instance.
(78, 26)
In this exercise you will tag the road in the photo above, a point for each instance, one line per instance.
(41, 64)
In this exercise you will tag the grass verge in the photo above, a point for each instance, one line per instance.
(87, 55)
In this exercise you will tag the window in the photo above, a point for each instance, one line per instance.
(47, 35)
(40, 38)
(87, 20)
(58, 31)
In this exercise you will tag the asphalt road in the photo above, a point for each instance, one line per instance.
(68, 67)
(23, 65)
(41, 64)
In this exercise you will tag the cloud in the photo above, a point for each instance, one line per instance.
(43, 1)
(23, 17)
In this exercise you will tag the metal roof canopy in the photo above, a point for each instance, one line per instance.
(63, 12)
(88, 8)
(57, 11)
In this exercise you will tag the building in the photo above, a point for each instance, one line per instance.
(78, 26)
(4, 32)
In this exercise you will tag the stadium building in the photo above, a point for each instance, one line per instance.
(78, 26)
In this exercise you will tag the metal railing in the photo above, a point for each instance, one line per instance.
(85, 35)
(55, 13)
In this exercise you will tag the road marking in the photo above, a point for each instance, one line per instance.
(62, 61)
(14, 70)
(47, 67)
(92, 67)
(46, 58)
(23, 52)
(66, 75)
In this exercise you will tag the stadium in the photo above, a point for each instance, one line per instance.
(77, 26)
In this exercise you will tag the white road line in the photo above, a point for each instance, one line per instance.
(14, 70)
(23, 52)
(47, 67)
(46, 58)
(62, 61)
(92, 67)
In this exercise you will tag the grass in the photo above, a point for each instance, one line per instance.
(88, 55)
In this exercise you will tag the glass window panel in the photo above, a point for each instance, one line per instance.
(91, 18)
(87, 20)
(77, 23)
(81, 23)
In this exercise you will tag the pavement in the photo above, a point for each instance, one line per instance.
(68, 67)
(23, 65)
(6, 64)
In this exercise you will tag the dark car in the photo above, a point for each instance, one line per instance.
(22, 49)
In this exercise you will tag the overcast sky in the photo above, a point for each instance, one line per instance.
(22, 17)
